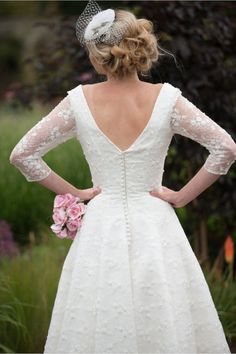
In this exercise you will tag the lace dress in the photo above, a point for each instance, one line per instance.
(130, 282)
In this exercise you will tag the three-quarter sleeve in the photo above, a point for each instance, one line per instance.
(191, 122)
(53, 129)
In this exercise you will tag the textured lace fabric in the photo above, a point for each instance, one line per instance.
(55, 128)
(190, 121)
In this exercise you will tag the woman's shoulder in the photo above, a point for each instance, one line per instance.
(173, 88)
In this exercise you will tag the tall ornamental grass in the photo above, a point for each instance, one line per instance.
(28, 287)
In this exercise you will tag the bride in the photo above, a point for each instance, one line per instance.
(130, 282)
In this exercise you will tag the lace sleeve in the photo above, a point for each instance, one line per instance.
(190, 121)
(53, 129)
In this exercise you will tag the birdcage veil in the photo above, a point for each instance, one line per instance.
(95, 25)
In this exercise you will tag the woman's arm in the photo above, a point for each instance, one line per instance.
(190, 121)
(60, 186)
(53, 129)
(200, 181)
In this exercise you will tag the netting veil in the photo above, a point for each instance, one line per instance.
(99, 26)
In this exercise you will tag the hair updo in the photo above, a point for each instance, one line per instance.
(138, 49)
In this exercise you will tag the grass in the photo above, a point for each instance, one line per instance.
(28, 287)
(224, 295)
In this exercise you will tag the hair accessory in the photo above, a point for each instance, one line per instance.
(98, 26)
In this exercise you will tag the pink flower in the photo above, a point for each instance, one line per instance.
(56, 228)
(59, 216)
(62, 233)
(72, 225)
(82, 208)
(68, 213)
(59, 201)
(71, 234)
(64, 200)
(70, 199)
(75, 210)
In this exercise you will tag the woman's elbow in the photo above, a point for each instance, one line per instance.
(231, 152)
(14, 157)
(17, 158)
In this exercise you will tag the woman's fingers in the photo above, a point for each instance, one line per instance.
(170, 196)
(92, 192)
(157, 192)
(164, 193)
(89, 193)
(96, 190)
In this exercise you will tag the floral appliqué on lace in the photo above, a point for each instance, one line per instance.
(55, 128)
(190, 121)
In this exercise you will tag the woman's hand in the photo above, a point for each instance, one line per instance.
(89, 193)
(173, 197)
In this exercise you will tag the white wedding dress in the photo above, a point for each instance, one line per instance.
(130, 282)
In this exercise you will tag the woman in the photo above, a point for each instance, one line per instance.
(130, 282)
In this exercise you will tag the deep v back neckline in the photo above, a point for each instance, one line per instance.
(137, 139)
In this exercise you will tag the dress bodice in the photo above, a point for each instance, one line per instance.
(137, 169)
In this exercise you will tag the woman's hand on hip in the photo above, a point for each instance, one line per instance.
(169, 195)
(89, 193)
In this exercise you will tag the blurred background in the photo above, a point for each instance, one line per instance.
(40, 59)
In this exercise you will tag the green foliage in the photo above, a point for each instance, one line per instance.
(224, 295)
(28, 287)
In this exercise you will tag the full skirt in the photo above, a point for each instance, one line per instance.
(149, 296)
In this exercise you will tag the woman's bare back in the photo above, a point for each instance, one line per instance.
(121, 113)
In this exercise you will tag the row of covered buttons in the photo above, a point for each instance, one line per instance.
(124, 197)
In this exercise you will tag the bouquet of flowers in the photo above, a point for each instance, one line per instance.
(68, 212)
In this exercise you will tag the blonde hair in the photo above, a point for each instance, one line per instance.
(138, 49)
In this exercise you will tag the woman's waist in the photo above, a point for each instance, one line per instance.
(127, 190)
(116, 199)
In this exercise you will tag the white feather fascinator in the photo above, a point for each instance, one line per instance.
(98, 26)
